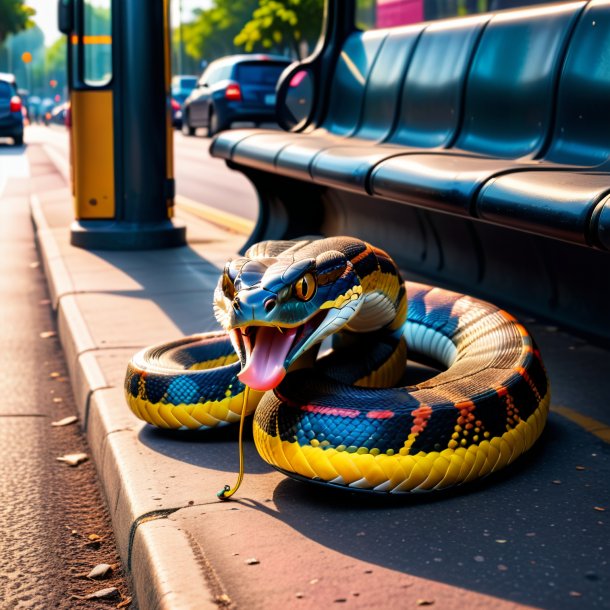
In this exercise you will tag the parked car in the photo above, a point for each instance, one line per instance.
(58, 115)
(182, 85)
(176, 109)
(11, 109)
(234, 88)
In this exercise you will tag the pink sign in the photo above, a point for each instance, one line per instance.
(399, 12)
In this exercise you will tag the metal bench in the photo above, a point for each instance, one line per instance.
(474, 149)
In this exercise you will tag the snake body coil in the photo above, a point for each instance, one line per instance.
(344, 418)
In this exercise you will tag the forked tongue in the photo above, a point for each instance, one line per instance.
(265, 364)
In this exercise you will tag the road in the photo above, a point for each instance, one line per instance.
(199, 177)
(49, 510)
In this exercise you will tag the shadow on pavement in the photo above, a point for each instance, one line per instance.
(534, 522)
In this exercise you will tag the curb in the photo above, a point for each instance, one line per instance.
(164, 569)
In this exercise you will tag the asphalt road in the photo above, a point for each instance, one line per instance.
(48, 510)
(199, 177)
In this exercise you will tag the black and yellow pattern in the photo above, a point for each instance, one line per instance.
(344, 422)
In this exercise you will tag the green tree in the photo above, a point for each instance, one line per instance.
(14, 17)
(210, 35)
(281, 25)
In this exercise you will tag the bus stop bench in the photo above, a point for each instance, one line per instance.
(498, 119)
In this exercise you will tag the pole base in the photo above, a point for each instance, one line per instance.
(113, 235)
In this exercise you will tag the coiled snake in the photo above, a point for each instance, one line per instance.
(344, 419)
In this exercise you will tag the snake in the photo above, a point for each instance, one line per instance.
(313, 341)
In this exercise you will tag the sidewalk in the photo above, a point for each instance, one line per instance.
(283, 544)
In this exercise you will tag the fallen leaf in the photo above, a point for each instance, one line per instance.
(47, 334)
(124, 603)
(103, 593)
(101, 570)
(252, 561)
(425, 602)
(223, 599)
(66, 421)
(73, 459)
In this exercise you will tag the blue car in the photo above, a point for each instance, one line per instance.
(11, 115)
(231, 89)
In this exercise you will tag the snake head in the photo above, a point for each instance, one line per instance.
(277, 308)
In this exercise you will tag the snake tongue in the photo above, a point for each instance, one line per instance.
(265, 363)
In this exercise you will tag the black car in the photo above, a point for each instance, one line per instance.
(234, 88)
(11, 114)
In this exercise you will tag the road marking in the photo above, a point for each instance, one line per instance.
(215, 216)
(591, 425)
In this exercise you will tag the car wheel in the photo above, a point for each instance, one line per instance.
(187, 130)
(214, 125)
(18, 140)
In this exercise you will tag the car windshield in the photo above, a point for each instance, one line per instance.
(259, 73)
(187, 83)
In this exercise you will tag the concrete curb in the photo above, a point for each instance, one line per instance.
(164, 567)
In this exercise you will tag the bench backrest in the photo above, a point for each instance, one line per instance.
(349, 81)
(433, 89)
(512, 81)
(582, 127)
(383, 87)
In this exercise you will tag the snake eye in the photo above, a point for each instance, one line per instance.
(305, 287)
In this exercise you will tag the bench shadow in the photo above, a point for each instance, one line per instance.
(533, 522)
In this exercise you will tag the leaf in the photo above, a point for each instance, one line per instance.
(73, 459)
(104, 593)
(66, 421)
(101, 570)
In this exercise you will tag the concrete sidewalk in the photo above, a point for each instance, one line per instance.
(283, 544)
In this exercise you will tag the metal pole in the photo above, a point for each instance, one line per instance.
(144, 191)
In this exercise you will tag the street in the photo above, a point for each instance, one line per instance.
(55, 526)
(199, 177)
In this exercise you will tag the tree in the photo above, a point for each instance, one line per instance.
(14, 17)
(280, 25)
(210, 35)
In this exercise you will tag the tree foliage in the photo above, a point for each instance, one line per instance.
(280, 25)
(210, 35)
(14, 17)
(232, 26)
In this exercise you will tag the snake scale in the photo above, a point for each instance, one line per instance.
(344, 417)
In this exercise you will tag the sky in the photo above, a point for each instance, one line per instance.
(46, 19)
(46, 14)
